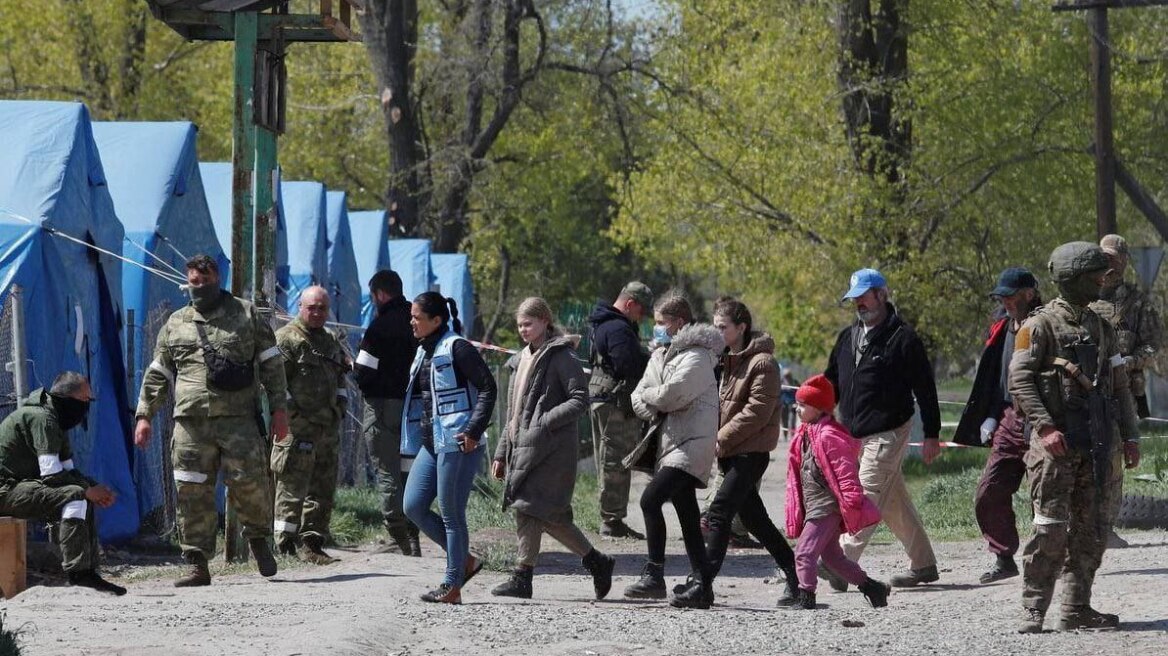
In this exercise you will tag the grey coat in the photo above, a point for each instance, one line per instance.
(678, 396)
(541, 458)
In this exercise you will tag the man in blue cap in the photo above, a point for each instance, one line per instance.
(990, 419)
(878, 366)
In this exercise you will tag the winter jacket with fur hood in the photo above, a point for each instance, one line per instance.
(836, 452)
(678, 396)
(541, 457)
(750, 399)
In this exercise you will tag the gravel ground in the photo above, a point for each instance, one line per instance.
(368, 604)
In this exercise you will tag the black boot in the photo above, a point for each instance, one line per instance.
(265, 563)
(519, 585)
(790, 595)
(875, 592)
(197, 574)
(415, 544)
(90, 579)
(286, 546)
(600, 567)
(651, 585)
(698, 595)
(399, 537)
(806, 600)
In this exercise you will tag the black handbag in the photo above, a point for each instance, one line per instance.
(222, 372)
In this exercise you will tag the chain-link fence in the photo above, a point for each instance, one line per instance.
(8, 391)
(153, 471)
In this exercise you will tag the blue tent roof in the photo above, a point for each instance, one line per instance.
(307, 217)
(452, 272)
(411, 259)
(344, 285)
(217, 185)
(370, 233)
(52, 185)
(158, 194)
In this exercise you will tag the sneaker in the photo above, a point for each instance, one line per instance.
(651, 585)
(443, 594)
(915, 577)
(1031, 621)
(834, 580)
(875, 592)
(790, 595)
(600, 567)
(1004, 568)
(519, 585)
(618, 529)
(1085, 617)
(90, 579)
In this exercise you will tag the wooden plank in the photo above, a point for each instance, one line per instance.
(13, 575)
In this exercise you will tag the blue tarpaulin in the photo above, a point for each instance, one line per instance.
(217, 184)
(307, 217)
(343, 286)
(452, 273)
(153, 175)
(411, 259)
(370, 233)
(52, 185)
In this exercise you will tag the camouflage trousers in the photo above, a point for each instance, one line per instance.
(305, 467)
(381, 428)
(614, 435)
(203, 445)
(77, 538)
(1072, 516)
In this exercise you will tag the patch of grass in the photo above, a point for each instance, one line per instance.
(356, 516)
(9, 639)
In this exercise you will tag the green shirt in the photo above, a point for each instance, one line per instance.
(315, 368)
(34, 447)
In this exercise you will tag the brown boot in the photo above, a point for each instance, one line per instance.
(399, 542)
(197, 573)
(265, 563)
(312, 551)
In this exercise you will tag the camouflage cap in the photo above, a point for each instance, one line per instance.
(639, 292)
(1114, 245)
(1075, 258)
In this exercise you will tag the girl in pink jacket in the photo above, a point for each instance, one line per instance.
(824, 496)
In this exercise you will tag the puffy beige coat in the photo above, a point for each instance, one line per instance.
(678, 396)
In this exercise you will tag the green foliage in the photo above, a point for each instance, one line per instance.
(9, 639)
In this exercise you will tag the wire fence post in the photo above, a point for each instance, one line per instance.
(20, 384)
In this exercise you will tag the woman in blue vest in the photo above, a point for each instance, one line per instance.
(448, 405)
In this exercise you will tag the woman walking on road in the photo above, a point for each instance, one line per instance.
(448, 405)
(536, 454)
(678, 395)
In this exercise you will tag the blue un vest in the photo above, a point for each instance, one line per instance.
(453, 403)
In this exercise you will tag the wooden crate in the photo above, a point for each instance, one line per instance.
(12, 556)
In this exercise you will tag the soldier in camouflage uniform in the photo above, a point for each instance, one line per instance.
(305, 465)
(1138, 330)
(1067, 378)
(207, 357)
(38, 480)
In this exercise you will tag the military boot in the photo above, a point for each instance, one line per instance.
(312, 551)
(286, 545)
(400, 540)
(651, 585)
(415, 545)
(1085, 617)
(265, 563)
(1031, 621)
(875, 592)
(790, 595)
(600, 567)
(90, 579)
(197, 573)
(519, 585)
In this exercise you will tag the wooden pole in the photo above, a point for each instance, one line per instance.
(1105, 219)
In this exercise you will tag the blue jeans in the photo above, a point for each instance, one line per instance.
(447, 477)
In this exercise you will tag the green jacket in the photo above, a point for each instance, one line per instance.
(1136, 322)
(238, 331)
(34, 447)
(315, 367)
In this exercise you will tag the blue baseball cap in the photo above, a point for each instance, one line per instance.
(1013, 279)
(862, 281)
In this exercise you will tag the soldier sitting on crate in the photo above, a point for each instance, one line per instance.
(38, 479)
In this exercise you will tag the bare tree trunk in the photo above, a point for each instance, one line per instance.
(390, 29)
(504, 289)
(133, 55)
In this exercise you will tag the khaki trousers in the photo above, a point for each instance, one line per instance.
(530, 529)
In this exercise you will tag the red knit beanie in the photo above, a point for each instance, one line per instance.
(818, 393)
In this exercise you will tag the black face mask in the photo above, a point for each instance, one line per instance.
(70, 411)
(205, 297)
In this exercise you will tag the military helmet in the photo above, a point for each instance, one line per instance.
(1075, 258)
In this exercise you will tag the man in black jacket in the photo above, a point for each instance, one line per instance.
(990, 418)
(618, 360)
(877, 367)
(383, 370)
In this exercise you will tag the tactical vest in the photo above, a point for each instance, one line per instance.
(452, 403)
(1076, 383)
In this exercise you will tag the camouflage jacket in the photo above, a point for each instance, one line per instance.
(1041, 388)
(236, 330)
(315, 367)
(33, 446)
(1136, 323)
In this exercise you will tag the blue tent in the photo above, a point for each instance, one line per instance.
(153, 176)
(305, 211)
(344, 285)
(217, 185)
(370, 233)
(411, 260)
(452, 272)
(53, 191)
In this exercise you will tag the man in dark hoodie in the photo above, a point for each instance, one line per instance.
(617, 360)
(383, 371)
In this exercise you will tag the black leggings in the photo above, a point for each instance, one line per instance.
(670, 484)
(739, 495)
